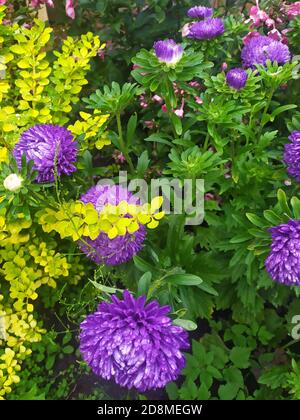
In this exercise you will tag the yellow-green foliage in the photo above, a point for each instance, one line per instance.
(90, 128)
(35, 89)
(26, 264)
(76, 219)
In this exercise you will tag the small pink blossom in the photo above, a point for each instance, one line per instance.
(164, 108)
(293, 10)
(180, 111)
(149, 124)
(198, 100)
(186, 29)
(257, 16)
(249, 36)
(157, 98)
(195, 84)
(224, 66)
(70, 11)
(209, 196)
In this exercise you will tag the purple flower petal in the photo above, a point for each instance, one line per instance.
(134, 343)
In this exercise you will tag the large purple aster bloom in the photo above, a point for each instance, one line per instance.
(168, 51)
(206, 29)
(262, 48)
(236, 78)
(200, 12)
(120, 249)
(283, 262)
(292, 155)
(51, 147)
(134, 343)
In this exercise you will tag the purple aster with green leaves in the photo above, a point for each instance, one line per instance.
(262, 48)
(200, 12)
(283, 262)
(168, 51)
(292, 155)
(236, 78)
(206, 29)
(120, 249)
(133, 342)
(52, 149)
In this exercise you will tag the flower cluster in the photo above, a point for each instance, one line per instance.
(51, 148)
(133, 342)
(292, 155)
(112, 251)
(168, 51)
(261, 48)
(208, 28)
(283, 262)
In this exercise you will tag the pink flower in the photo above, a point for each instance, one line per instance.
(198, 100)
(70, 11)
(293, 10)
(257, 16)
(37, 3)
(180, 111)
(149, 124)
(224, 66)
(2, 2)
(249, 36)
(164, 108)
(157, 98)
(278, 36)
(186, 29)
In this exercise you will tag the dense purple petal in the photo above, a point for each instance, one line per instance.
(262, 48)
(292, 155)
(168, 51)
(49, 146)
(200, 12)
(206, 29)
(283, 262)
(236, 78)
(121, 249)
(133, 342)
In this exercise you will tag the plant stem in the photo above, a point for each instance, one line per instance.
(206, 142)
(122, 144)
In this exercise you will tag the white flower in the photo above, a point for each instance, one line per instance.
(13, 182)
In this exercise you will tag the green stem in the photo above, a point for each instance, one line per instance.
(122, 144)
(206, 142)
(262, 124)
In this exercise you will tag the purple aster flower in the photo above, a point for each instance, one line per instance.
(236, 78)
(292, 155)
(168, 51)
(283, 262)
(133, 342)
(262, 48)
(120, 249)
(200, 12)
(206, 29)
(51, 147)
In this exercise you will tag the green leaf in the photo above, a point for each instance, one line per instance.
(228, 391)
(274, 377)
(144, 283)
(240, 357)
(105, 289)
(131, 127)
(68, 349)
(282, 201)
(184, 279)
(257, 221)
(187, 324)
(295, 203)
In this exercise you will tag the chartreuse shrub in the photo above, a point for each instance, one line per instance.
(38, 91)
